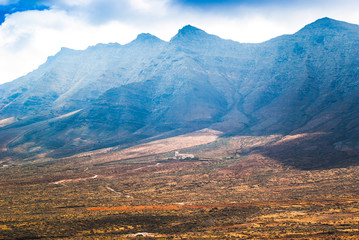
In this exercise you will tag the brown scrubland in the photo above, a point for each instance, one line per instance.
(236, 188)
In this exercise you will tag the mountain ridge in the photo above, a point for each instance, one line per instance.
(300, 83)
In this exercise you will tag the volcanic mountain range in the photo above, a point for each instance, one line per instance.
(122, 95)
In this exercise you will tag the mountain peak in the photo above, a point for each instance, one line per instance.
(326, 19)
(189, 29)
(146, 38)
(66, 51)
(191, 33)
(325, 25)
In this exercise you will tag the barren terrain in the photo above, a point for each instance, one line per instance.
(232, 189)
(152, 148)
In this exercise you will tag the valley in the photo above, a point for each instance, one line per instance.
(228, 191)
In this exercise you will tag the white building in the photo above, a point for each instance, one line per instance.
(183, 156)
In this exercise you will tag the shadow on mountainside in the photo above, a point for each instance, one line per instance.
(314, 151)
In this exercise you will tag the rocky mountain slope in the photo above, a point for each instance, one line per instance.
(121, 94)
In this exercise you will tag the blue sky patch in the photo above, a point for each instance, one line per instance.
(21, 6)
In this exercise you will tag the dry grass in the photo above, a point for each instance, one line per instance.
(152, 148)
(229, 192)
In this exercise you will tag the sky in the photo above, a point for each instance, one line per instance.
(32, 30)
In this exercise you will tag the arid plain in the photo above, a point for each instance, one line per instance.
(231, 189)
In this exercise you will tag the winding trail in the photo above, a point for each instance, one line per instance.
(146, 167)
(74, 180)
(119, 193)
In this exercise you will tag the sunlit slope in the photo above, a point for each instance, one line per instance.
(301, 83)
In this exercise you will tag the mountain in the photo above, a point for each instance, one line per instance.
(112, 94)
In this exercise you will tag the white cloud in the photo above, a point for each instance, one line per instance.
(28, 38)
(72, 3)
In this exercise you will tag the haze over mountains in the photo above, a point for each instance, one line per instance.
(112, 94)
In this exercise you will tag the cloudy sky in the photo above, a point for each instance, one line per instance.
(32, 30)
